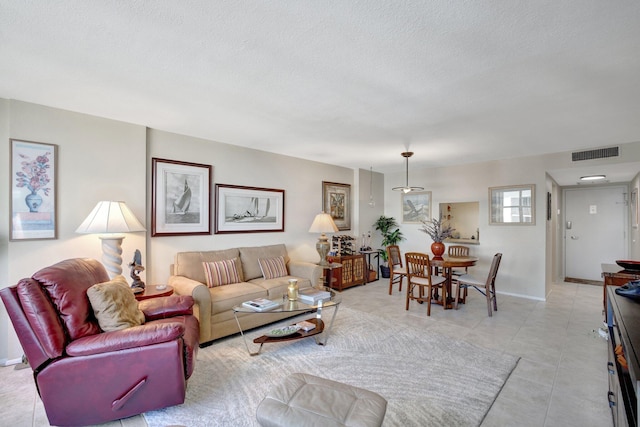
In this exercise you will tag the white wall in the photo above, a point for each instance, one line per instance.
(103, 159)
(301, 180)
(527, 256)
(98, 159)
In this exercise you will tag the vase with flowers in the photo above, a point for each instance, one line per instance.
(34, 176)
(438, 232)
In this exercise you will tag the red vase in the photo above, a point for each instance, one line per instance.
(437, 249)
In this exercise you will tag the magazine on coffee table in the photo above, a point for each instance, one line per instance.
(260, 304)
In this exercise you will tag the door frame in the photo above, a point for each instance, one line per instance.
(563, 231)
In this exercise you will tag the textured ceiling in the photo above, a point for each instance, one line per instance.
(352, 83)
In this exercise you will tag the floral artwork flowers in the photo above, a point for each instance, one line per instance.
(34, 174)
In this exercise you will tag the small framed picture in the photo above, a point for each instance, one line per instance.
(416, 207)
(242, 209)
(33, 190)
(180, 198)
(336, 201)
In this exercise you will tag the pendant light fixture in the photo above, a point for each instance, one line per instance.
(372, 203)
(407, 188)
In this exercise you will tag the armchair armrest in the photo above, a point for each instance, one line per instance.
(307, 270)
(202, 307)
(137, 336)
(164, 307)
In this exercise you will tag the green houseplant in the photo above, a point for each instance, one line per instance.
(391, 235)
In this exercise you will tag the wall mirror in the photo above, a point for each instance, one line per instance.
(464, 218)
(512, 205)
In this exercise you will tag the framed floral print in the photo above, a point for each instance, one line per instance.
(180, 198)
(336, 201)
(33, 190)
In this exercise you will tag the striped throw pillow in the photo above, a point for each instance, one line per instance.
(273, 267)
(220, 273)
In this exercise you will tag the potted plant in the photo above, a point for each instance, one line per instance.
(391, 235)
(438, 232)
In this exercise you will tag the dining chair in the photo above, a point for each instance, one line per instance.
(419, 276)
(458, 251)
(486, 288)
(397, 271)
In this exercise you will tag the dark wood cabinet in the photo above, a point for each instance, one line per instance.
(623, 366)
(351, 273)
(614, 275)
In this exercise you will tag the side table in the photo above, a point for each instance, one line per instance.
(150, 291)
(368, 254)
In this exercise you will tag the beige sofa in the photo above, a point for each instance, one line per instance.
(213, 306)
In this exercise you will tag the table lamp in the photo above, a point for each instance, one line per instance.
(323, 223)
(111, 220)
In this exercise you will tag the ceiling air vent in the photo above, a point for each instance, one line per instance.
(599, 153)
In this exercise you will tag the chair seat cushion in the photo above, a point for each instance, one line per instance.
(435, 280)
(307, 400)
(467, 279)
(399, 270)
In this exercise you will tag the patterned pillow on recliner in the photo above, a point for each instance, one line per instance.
(114, 305)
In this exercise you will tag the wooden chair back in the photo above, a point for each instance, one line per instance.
(458, 251)
(395, 258)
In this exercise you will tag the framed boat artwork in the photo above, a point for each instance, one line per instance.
(180, 198)
(242, 209)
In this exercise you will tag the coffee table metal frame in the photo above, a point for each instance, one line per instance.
(320, 333)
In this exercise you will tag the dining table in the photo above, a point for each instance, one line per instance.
(446, 265)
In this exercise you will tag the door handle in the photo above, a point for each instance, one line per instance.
(574, 238)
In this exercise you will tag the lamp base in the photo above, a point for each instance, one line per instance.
(323, 249)
(112, 254)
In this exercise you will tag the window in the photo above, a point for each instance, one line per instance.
(514, 205)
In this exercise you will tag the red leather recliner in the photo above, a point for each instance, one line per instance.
(87, 376)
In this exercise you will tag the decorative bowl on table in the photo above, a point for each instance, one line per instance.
(629, 264)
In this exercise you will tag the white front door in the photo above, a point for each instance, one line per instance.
(595, 230)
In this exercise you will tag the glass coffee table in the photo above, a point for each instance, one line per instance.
(320, 332)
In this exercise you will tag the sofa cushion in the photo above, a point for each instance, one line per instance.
(66, 283)
(250, 256)
(273, 267)
(189, 264)
(224, 298)
(114, 305)
(219, 273)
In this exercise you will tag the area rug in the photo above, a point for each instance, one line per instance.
(427, 378)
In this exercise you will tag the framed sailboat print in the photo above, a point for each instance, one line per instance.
(248, 209)
(180, 198)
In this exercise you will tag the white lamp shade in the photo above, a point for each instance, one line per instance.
(110, 217)
(323, 223)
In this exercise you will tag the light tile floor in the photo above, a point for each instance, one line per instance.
(561, 379)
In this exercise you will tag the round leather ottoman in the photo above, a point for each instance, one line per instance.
(304, 400)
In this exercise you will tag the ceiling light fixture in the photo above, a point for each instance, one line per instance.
(592, 177)
(407, 188)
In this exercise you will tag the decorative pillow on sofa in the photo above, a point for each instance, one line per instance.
(114, 305)
(273, 267)
(220, 273)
